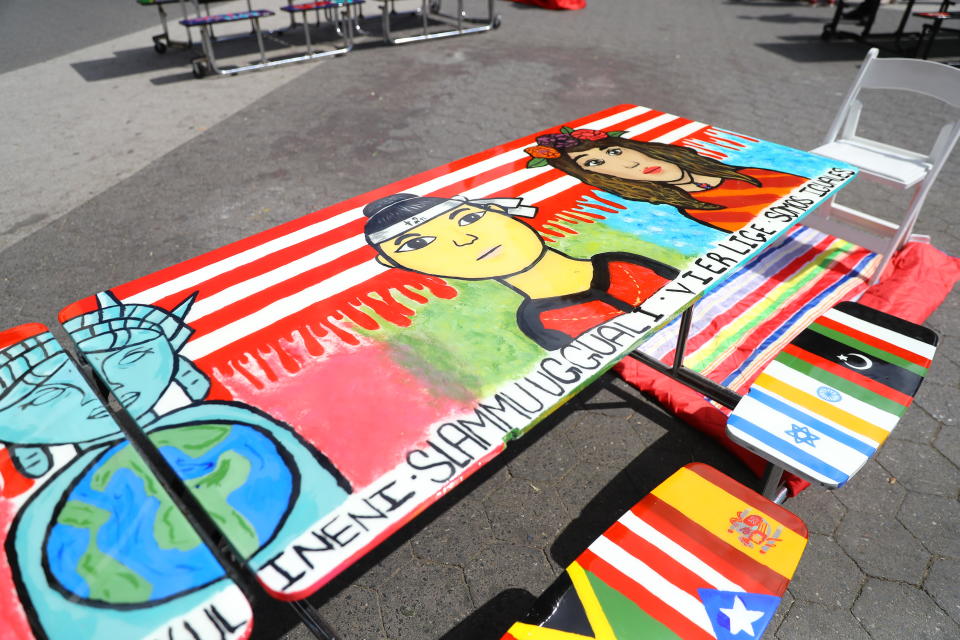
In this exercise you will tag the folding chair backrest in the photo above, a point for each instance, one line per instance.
(886, 163)
(932, 79)
(920, 76)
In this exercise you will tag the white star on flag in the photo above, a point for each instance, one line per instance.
(741, 618)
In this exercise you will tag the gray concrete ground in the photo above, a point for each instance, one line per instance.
(116, 162)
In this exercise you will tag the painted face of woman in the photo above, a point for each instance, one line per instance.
(629, 164)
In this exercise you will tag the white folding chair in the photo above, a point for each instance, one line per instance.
(885, 163)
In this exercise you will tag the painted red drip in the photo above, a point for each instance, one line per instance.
(563, 230)
(289, 363)
(266, 368)
(361, 319)
(386, 306)
(260, 357)
(310, 335)
(246, 374)
(703, 150)
(413, 295)
(345, 336)
(568, 209)
(716, 138)
(725, 132)
(615, 207)
(217, 390)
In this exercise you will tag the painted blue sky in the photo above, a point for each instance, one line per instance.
(662, 225)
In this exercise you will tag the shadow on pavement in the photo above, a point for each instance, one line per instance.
(785, 18)
(680, 445)
(129, 62)
(494, 617)
(812, 49)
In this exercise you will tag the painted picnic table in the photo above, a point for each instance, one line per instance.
(345, 370)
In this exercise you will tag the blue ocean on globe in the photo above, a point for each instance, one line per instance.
(143, 549)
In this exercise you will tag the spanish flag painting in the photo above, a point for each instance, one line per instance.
(700, 557)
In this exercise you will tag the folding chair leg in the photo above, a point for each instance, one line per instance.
(163, 20)
(906, 228)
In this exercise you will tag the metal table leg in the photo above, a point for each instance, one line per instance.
(312, 621)
(773, 489)
(716, 392)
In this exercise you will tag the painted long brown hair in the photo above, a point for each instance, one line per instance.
(648, 191)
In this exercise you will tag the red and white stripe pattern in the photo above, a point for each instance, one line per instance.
(672, 579)
(678, 541)
(254, 283)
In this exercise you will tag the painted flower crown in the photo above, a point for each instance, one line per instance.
(549, 145)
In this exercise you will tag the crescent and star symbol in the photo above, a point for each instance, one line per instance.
(846, 358)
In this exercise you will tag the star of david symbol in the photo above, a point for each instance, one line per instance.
(802, 435)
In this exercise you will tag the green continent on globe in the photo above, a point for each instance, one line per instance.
(213, 489)
(109, 580)
(112, 581)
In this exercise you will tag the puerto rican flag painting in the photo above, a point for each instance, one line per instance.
(700, 557)
(828, 401)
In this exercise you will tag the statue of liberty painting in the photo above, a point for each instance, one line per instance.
(100, 549)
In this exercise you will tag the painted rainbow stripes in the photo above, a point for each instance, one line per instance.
(743, 323)
(700, 557)
(832, 396)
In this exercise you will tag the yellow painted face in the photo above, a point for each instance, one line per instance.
(466, 242)
(621, 162)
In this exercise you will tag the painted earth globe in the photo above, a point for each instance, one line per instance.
(117, 538)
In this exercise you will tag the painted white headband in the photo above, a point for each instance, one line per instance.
(512, 206)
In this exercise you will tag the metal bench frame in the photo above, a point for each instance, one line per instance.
(340, 13)
(430, 10)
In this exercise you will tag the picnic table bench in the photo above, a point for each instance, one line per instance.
(342, 15)
(830, 399)
(701, 556)
(163, 40)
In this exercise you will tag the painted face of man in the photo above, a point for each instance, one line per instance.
(629, 164)
(467, 242)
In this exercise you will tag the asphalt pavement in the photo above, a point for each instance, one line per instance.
(116, 162)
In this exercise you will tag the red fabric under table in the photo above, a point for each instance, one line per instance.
(556, 4)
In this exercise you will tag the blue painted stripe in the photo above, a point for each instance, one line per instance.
(811, 421)
(761, 350)
(797, 247)
(784, 251)
(790, 451)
